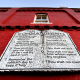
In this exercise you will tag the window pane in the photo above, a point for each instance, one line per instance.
(38, 17)
(43, 17)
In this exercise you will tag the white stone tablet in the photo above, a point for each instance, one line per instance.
(35, 50)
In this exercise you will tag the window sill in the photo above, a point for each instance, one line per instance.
(41, 23)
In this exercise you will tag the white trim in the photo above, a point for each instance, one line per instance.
(41, 23)
(45, 21)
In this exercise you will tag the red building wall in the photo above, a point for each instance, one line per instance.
(17, 19)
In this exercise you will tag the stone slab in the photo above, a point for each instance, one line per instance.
(35, 50)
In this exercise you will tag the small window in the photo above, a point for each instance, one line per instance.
(41, 18)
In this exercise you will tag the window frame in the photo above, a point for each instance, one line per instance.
(41, 21)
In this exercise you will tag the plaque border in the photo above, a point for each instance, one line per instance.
(39, 69)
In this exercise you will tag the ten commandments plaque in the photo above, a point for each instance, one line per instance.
(35, 50)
